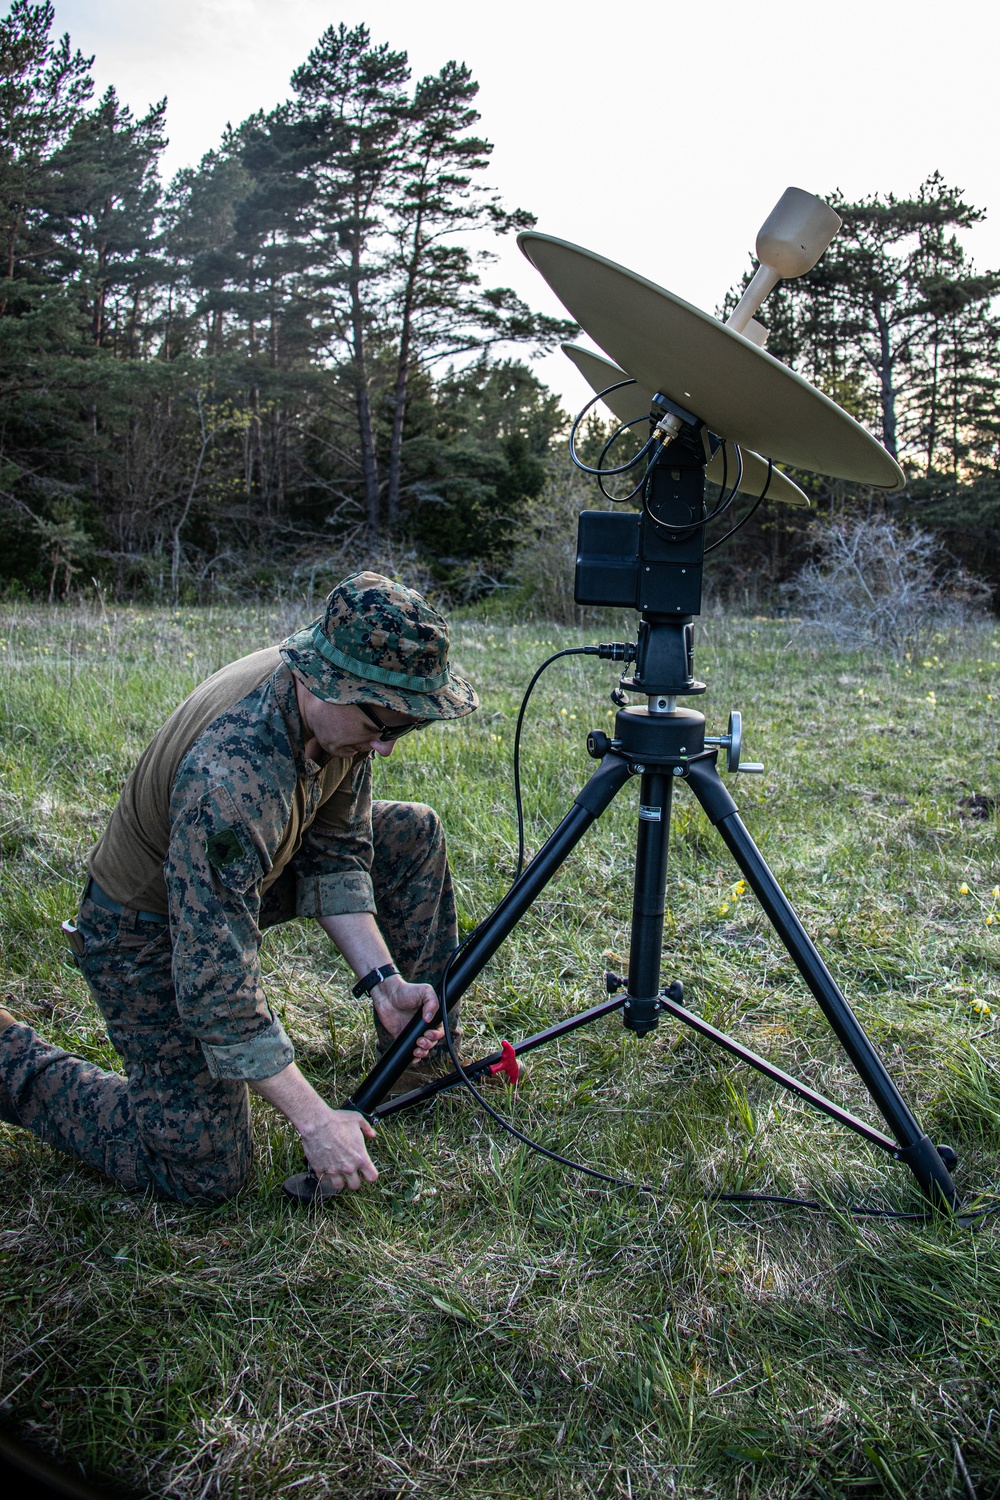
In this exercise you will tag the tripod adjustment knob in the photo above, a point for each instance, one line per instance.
(598, 744)
(733, 743)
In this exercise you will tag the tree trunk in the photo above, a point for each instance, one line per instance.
(886, 388)
(176, 551)
(932, 414)
(11, 259)
(101, 291)
(366, 428)
(399, 418)
(255, 467)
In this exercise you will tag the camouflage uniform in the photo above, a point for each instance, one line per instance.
(180, 990)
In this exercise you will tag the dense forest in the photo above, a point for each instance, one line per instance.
(290, 356)
(286, 352)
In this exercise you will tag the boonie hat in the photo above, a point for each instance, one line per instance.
(380, 643)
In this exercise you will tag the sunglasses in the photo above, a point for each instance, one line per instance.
(389, 732)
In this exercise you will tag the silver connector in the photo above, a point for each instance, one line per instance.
(667, 427)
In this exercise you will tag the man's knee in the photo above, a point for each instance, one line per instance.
(212, 1176)
(196, 1135)
(207, 1183)
(406, 827)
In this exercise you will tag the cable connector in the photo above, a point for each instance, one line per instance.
(667, 428)
(617, 651)
(672, 418)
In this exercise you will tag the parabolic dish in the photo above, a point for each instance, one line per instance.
(633, 401)
(740, 391)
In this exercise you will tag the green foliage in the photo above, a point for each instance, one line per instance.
(44, 87)
(476, 462)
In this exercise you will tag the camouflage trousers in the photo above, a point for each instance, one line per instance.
(167, 1125)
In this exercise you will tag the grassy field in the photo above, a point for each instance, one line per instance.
(484, 1324)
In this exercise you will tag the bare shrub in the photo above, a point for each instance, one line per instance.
(873, 582)
(543, 569)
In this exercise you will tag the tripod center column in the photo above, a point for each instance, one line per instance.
(648, 901)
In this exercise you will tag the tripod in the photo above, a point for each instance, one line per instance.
(654, 561)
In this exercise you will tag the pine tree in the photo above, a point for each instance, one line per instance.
(354, 95)
(104, 218)
(395, 189)
(44, 87)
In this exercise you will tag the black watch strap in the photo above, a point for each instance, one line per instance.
(376, 976)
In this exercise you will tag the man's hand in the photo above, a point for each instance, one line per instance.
(396, 1003)
(335, 1149)
(334, 1139)
(357, 936)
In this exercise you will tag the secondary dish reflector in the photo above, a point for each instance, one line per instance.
(740, 391)
(632, 400)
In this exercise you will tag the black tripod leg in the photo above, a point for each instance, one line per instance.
(610, 776)
(915, 1148)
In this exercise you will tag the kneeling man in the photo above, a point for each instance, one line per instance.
(251, 805)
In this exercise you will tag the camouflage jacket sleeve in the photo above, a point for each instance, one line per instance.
(224, 830)
(334, 861)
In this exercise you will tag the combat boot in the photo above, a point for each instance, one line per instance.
(8, 1114)
(434, 1066)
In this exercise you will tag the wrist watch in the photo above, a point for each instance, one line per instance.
(373, 978)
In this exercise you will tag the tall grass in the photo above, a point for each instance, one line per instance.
(484, 1323)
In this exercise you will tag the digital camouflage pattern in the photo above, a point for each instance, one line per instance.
(172, 1124)
(248, 806)
(378, 642)
(167, 1125)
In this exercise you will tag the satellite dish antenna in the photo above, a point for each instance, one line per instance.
(707, 368)
(631, 401)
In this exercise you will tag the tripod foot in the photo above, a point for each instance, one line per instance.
(929, 1165)
(304, 1187)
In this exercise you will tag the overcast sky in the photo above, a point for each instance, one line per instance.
(660, 136)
